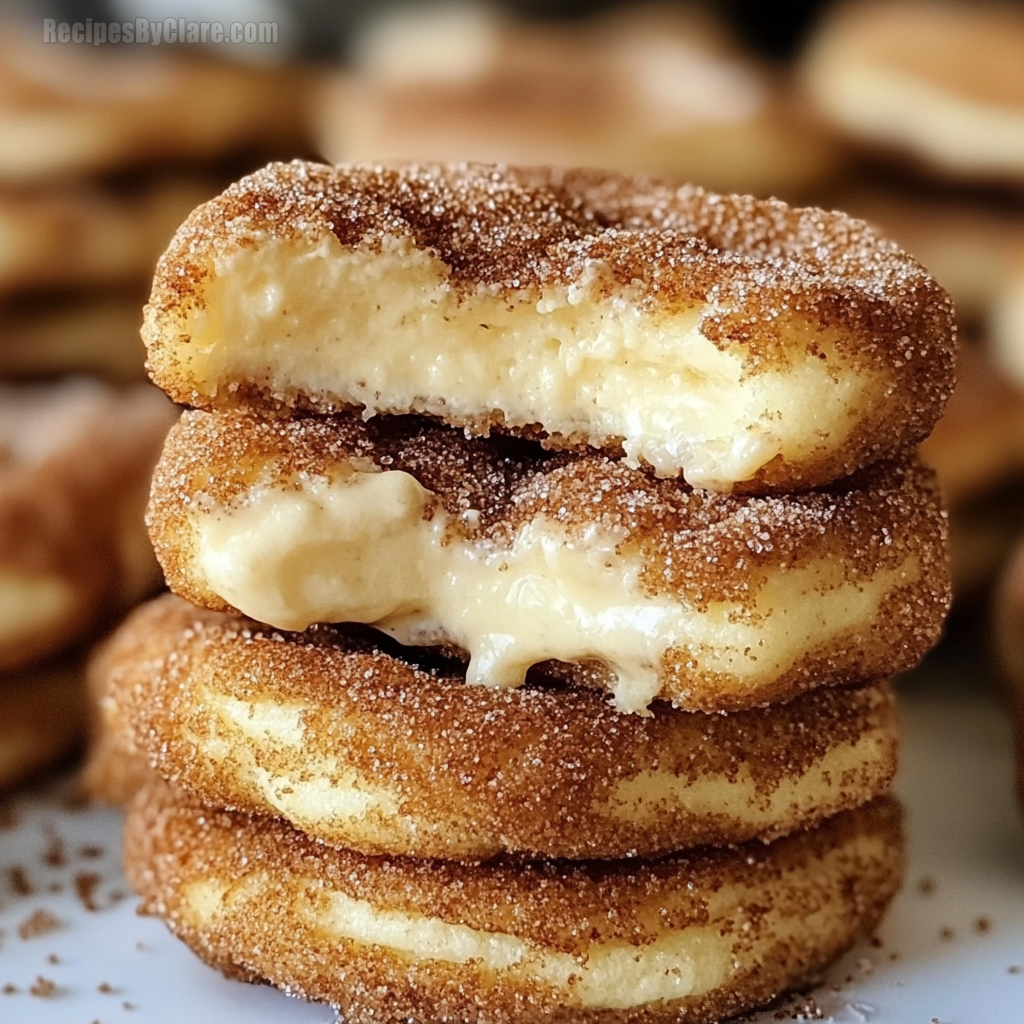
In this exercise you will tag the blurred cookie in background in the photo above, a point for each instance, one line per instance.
(1008, 638)
(75, 462)
(1007, 334)
(935, 82)
(87, 234)
(979, 442)
(42, 714)
(977, 450)
(655, 89)
(52, 335)
(74, 110)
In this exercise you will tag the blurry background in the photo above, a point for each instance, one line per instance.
(909, 113)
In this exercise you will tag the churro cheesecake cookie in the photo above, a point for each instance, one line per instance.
(73, 110)
(661, 89)
(345, 734)
(739, 342)
(517, 555)
(691, 938)
(75, 461)
(938, 82)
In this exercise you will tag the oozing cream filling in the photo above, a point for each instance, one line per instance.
(385, 331)
(375, 547)
(678, 963)
(30, 604)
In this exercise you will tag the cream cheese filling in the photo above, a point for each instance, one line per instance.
(31, 604)
(385, 331)
(377, 548)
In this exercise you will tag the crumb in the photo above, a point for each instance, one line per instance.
(946, 933)
(19, 881)
(982, 925)
(9, 989)
(90, 852)
(894, 956)
(876, 942)
(105, 987)
(128, 1006)
(53, 959)
(85, 889)
(38, 923)
(926, 886)
(43, 988)
(1013, 969)
(865, 966)
(117, 895)
(54, 855)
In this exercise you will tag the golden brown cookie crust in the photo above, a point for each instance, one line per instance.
(775, 279)
(869, 524)
(819, 890)
(257, 720)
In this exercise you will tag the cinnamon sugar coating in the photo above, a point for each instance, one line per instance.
(701, 549)
(309, 727)
(75, 458)
(765, 918)
(773, 287)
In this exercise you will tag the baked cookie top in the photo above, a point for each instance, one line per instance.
(739, 342)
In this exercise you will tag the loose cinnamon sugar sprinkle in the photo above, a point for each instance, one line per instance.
(86, 883)
(105, 987)
(9, 989)
(19, 882)
(90, 852)
(946, 933)
(43, 988)
(1013, 969)
(52, 958)
(982, 924)
(926, 885)
(54, 855)
(39, 923)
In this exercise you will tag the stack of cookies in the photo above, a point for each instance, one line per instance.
(608, 490)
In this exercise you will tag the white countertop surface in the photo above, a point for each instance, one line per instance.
(952, 948)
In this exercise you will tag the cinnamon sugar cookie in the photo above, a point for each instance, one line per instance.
(344, 735)
(518, 555)
(72, 110)
(933, 80)
(694, 937)
(662, 90)
(48, 336)
(740, 342)
(75, 460)
(90, 236)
